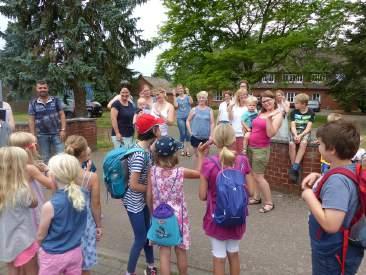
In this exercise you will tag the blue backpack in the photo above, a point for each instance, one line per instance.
(115, 170)
(164, 229)
(231, 197)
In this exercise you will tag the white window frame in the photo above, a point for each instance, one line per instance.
(268, 78)
(290, 96)
(318, 78)
(218, 96)
(316, 96)
(293, 78)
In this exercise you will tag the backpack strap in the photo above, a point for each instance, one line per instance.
(157, 189)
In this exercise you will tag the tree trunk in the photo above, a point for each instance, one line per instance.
(79, 97)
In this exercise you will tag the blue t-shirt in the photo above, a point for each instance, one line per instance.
(46, 115)
(339, 193)
(201, 123)
(248, 117)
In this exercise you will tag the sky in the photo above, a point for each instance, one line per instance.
(152, 15)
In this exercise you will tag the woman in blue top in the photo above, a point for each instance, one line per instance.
(182, 103)
(200, 121)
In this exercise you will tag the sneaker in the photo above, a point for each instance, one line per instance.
(151, 271)
(293, 175)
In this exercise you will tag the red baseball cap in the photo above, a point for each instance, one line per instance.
(145, 122)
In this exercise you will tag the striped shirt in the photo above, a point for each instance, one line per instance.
(135, 201)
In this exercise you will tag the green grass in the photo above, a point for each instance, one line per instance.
(105, 120)
(319, 120)
(20, 117)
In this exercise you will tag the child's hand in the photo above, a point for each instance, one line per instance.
(42, 167)
(297, 139)
(99, 233)
(88, 165)
(309, 180)
(203, 148)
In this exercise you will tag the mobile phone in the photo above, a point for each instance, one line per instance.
(3, 114)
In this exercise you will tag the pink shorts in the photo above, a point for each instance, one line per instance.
(68, 263)
(26, 255)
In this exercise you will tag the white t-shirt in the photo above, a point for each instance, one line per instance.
(223, 114)
(8, 111)
(236, 122)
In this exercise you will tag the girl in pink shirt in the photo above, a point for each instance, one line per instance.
(224, 240)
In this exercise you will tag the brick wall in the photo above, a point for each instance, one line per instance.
(279, 163)
(86, 127)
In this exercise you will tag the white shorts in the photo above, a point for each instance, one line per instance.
(220, 248)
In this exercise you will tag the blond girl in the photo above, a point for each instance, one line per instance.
(77, 146)
(166, 185)
(63, 220)
(224, 239)
(35, 168)
(18, 246)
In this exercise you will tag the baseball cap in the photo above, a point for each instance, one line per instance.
(145, 122)
(167, 146)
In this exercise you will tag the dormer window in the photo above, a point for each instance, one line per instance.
(293, 78)
(268, 78)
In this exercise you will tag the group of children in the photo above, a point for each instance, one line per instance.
(57, 236)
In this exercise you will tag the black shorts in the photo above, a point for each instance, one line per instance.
(196, 141)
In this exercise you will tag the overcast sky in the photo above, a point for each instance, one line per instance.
(152, 15)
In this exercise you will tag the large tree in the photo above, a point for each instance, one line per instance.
(213, 44)
(349, 83)
(70, 43)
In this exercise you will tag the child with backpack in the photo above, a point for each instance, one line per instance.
(165, 191)
(336, 202)
(18, 245)
(225, 177)
(36, 170)
(139, 164)
(63, 220)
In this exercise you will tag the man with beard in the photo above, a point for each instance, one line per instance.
(47, 121)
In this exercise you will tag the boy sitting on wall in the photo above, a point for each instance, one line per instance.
(301, 120)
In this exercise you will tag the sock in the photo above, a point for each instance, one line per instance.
(151, 266)
(296, 166)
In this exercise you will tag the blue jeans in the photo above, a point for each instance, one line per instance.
(127, 142)
(140, 223)
(183, 131)
(329, 265)
(49, 145)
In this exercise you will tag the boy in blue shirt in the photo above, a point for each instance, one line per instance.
(247, 119)
(337, 203)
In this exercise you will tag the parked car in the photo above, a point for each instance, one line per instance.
(94, 108)
(314, 105)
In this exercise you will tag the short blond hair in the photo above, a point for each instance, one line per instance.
(202, 94)
(302, 98)
(333, 117)
(252, 99)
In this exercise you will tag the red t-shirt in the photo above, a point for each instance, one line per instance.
(209, 170)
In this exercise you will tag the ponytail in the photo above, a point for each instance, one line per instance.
(227, 157)
(66, 169)
(76, 196)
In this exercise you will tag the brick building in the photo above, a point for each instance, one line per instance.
(313, 84)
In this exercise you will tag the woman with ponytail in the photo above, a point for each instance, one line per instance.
(224, 240)
(78, 147)
(63, 220)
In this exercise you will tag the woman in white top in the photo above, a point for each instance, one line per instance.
(236, 111)
(163, 109)
(284, 106)
(223, 108)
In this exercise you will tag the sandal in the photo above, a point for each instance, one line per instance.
(188, 154)
(269, 208)
(182, 153)
(254, 201)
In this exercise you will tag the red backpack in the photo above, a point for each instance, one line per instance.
(356, 232)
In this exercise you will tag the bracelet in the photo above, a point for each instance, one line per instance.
(63, 129)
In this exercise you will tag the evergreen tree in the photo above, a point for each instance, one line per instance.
(70, 43)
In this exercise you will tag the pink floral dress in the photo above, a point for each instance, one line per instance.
(167, 184)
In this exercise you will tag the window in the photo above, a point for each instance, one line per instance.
(318, 78)
(293, 78)
(315, 96)
(291, 97)
(268, 78)
(218, 96)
